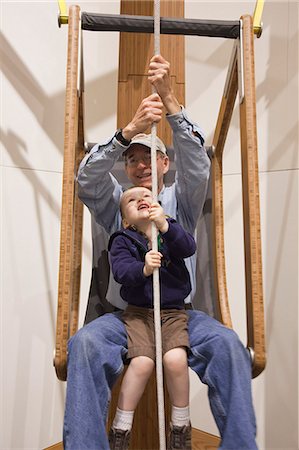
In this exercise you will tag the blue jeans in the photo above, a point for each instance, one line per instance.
(95, 361)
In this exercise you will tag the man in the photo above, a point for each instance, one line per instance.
(97, 351)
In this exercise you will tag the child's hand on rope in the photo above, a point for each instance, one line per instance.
(156, 214)
(152, 261)
(149, 111)
(159, 77)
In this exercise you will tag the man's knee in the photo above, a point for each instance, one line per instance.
(230, 351)
(83, 341)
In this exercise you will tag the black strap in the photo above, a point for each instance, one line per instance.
(145, 24)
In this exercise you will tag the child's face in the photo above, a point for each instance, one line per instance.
(135, 204)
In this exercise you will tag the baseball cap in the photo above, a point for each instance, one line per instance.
(146, 139)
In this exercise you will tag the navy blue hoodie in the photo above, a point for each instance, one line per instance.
(127, 251)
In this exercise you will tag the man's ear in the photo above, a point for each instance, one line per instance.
(165, 164)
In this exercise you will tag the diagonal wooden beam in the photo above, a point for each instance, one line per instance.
(222, 126)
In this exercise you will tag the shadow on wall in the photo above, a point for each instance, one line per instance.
(52, 119)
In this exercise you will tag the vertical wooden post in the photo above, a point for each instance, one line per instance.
(250, 193)
(72, 208)
(135, 52)
(251, 204)
(222, 126)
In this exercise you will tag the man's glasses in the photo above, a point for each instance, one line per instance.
(133, 161)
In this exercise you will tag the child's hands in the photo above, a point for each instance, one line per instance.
(156, 214)
(152, 260)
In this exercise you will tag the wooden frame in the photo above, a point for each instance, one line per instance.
(72, 209)
(250, 192)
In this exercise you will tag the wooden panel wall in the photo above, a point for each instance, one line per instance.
(135, 52)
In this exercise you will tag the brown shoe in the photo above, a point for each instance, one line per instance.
(119, 439)
(180, 437)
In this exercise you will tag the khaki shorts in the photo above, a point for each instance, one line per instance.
(140, 327)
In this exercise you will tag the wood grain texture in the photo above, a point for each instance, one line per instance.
(250, 195)
(135, 52)
(71, 207)
(222, 126)
(251, 206)
(200, 441)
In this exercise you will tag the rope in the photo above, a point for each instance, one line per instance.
(156, 283)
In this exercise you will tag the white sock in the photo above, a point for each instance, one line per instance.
(180, 416)
(123, 420)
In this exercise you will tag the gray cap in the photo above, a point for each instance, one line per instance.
(146, 139)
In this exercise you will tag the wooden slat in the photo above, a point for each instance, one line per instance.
(135, 53)
(78, 225)
(250, 192)
(251, 205)
(222, 126)
(71, 209)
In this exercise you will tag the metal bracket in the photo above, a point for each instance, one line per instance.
(63, 18)
(251, 355)
(257, 15)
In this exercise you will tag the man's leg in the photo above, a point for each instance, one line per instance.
(221, 361)
(95, 360)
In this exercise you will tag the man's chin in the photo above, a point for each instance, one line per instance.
(145, 183)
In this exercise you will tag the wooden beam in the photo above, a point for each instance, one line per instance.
(135, 52)
(241, 67)
(251, 205)
(222, 126)
(71, 208)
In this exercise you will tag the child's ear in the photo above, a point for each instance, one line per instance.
(125, 223)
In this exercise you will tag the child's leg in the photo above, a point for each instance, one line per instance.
(177, 379)
(132, 387)
(177, 376)
(134, 382)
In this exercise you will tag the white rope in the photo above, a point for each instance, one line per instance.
(156, 283)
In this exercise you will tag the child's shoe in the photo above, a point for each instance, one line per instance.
(180, 437)
(119, 439)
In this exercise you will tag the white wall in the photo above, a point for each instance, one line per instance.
(33, 56)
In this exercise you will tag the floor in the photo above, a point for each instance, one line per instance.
(200, 441)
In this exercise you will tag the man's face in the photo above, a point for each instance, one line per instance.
(138, 166)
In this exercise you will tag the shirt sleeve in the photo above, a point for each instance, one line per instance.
(181, 244)
(97, 187)
(126, 269)
(192, 168)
